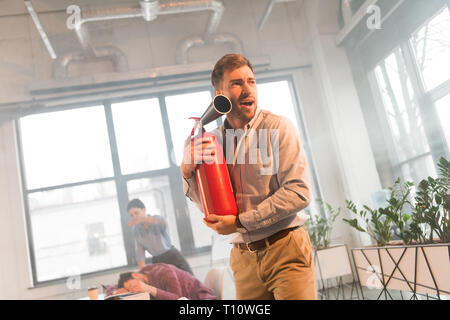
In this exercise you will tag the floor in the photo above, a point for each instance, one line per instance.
(347, 291)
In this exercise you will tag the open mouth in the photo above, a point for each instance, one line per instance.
(246, 103)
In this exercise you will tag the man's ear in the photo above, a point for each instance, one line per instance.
(135, 275)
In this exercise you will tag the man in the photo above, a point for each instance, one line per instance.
(150, 233)
(164, 282)
(272, 253)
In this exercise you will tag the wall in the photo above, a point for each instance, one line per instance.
(296, 33)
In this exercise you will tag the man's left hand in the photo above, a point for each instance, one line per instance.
(224, 225)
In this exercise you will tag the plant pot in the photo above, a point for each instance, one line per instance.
(333, 263)
(423, 268)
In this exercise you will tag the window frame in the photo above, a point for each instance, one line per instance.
(172, 172)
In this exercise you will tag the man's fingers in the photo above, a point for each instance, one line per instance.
(132, 222)
(214, 217)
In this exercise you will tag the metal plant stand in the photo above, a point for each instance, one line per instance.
(422, 270)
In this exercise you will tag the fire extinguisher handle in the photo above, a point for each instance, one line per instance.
(196, 125)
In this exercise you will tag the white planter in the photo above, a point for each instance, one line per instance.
(332, 262)
(417, 268)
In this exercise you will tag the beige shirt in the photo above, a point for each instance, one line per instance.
(268, 171)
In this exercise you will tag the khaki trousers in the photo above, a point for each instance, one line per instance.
(282, 271)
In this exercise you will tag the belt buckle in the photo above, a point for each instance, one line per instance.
(248, 248)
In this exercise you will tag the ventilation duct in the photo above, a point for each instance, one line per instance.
(117, 57)
(185, 45)
(149, 11)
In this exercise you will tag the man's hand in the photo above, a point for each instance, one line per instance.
(198, 150)
(221, 224)
(141, 220)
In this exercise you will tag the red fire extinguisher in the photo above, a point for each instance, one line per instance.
(213, 179)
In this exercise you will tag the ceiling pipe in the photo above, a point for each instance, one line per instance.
(268, 11)
(264, 18)
(40, 29)
(117, 57)
(216, 7)
(185, 45)
(149, 11)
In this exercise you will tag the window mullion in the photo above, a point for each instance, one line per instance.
(121, 189)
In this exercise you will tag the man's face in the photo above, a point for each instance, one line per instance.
(239, 86)
(136, 213)
(137, 284)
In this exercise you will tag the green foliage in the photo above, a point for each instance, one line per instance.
(433, 204)
(379, 227)
(398, 202)
(431, 209)
(319, 228)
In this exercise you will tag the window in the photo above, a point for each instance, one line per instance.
(413, 85)
(76, 228)
(139, 132)
(65, 147)
(404, 118)
(443, 110)
(179, 109)
(431, 45)
(82, 166)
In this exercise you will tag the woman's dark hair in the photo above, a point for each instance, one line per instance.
(124, 277)
(135, 203)
(228, 62)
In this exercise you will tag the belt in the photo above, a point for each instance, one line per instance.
(264, 243)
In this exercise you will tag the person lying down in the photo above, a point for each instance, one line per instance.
(164, 282)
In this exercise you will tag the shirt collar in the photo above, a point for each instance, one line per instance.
(226, 125)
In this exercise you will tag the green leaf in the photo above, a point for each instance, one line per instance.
(406, 217)
(354, 223)
(423, 184)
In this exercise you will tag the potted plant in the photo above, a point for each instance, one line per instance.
(331, 262)
(421, 263)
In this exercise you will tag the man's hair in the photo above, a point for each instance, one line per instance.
(135, 203)
(124, 277)
(228, 62)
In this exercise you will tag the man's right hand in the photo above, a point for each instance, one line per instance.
(198, 150)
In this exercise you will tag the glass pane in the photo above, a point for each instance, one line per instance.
(157, 197)
(401, 107)
(431, 45)
(140, 136)
(76, 230)
(180, 108)
(202, 234)
(66, 146)
(443, 110)
(276, 97)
